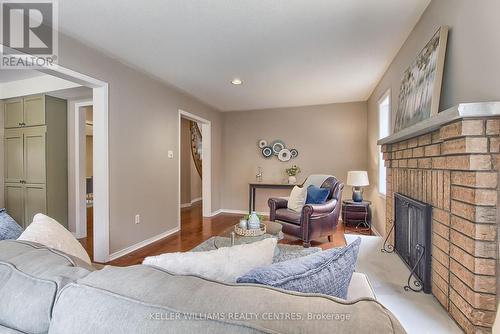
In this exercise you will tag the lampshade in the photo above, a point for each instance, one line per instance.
(358, 178)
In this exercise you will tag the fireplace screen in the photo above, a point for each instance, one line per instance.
(412, 242)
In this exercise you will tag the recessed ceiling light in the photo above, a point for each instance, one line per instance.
(236, 81)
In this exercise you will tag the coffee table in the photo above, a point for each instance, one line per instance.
(273, 230)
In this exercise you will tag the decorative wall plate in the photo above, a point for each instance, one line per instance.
(267, 152)
(277, 146)
(284, 155)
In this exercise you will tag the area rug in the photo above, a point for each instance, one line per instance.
(286, 252)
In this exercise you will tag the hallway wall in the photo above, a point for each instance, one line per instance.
(190, 179)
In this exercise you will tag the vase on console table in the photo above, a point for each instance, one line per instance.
(258, 176)
(292, 174)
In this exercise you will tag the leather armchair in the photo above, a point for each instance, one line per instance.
(314, 221)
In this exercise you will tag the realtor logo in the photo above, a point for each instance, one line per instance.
(29, 34)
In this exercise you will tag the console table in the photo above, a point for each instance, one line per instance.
(252, 187)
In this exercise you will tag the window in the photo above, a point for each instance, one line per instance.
(384, 112)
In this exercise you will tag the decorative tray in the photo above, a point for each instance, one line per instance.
(250, 232)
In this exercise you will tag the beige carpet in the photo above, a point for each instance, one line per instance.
(419, 313)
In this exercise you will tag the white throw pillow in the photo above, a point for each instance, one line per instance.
(297, 198)
(225, 264)
(48, 232)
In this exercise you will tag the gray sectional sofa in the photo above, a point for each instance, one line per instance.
(46, 291)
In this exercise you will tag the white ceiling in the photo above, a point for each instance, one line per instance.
(287, 52)
(26, 83)
(76, 93)
(14, 75)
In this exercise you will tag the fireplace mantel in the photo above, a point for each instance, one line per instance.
(461, 111)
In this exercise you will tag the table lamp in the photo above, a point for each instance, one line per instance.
(357, 179)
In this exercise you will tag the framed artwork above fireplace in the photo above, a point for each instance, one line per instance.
(420, 89)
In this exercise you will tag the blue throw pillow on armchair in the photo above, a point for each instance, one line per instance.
(328, 272)
(316, 195)
(9, 229)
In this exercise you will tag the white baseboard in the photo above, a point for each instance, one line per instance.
(79, 236)
(238, 212)
(197, 199)
(215, 213)
(187, 205)
(141, 244)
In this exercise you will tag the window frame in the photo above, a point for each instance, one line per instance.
(380, 101)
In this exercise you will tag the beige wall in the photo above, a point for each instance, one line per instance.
(471, 73)
(143, 126)
(89, 142)
(331, 139)
(190, 179)
(89, 154)
(185, 163)
(2, 201)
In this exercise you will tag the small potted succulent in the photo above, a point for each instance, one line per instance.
(292, 174)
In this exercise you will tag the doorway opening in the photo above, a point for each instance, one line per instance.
(191, 165)
(41, 90)
(194, 165)
(81, 175)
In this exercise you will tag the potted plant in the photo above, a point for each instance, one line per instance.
(292, 173)
(247, 217)
(253, 220)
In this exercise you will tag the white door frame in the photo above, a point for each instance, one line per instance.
(77, 172)
(206, 167)
(101, 155)
(101, 151)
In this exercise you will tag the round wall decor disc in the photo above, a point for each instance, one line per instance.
(284, 155)
(277, 146)
(262, 143)
(267, 152)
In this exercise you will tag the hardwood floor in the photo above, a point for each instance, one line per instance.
(87, 242)
(195, 230)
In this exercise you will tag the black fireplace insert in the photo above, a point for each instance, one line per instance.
(413, 240)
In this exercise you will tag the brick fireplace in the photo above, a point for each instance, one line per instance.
(455, 168)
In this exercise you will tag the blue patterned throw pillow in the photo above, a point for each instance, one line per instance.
(317, 195)
(328, 272)
(9, 229)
